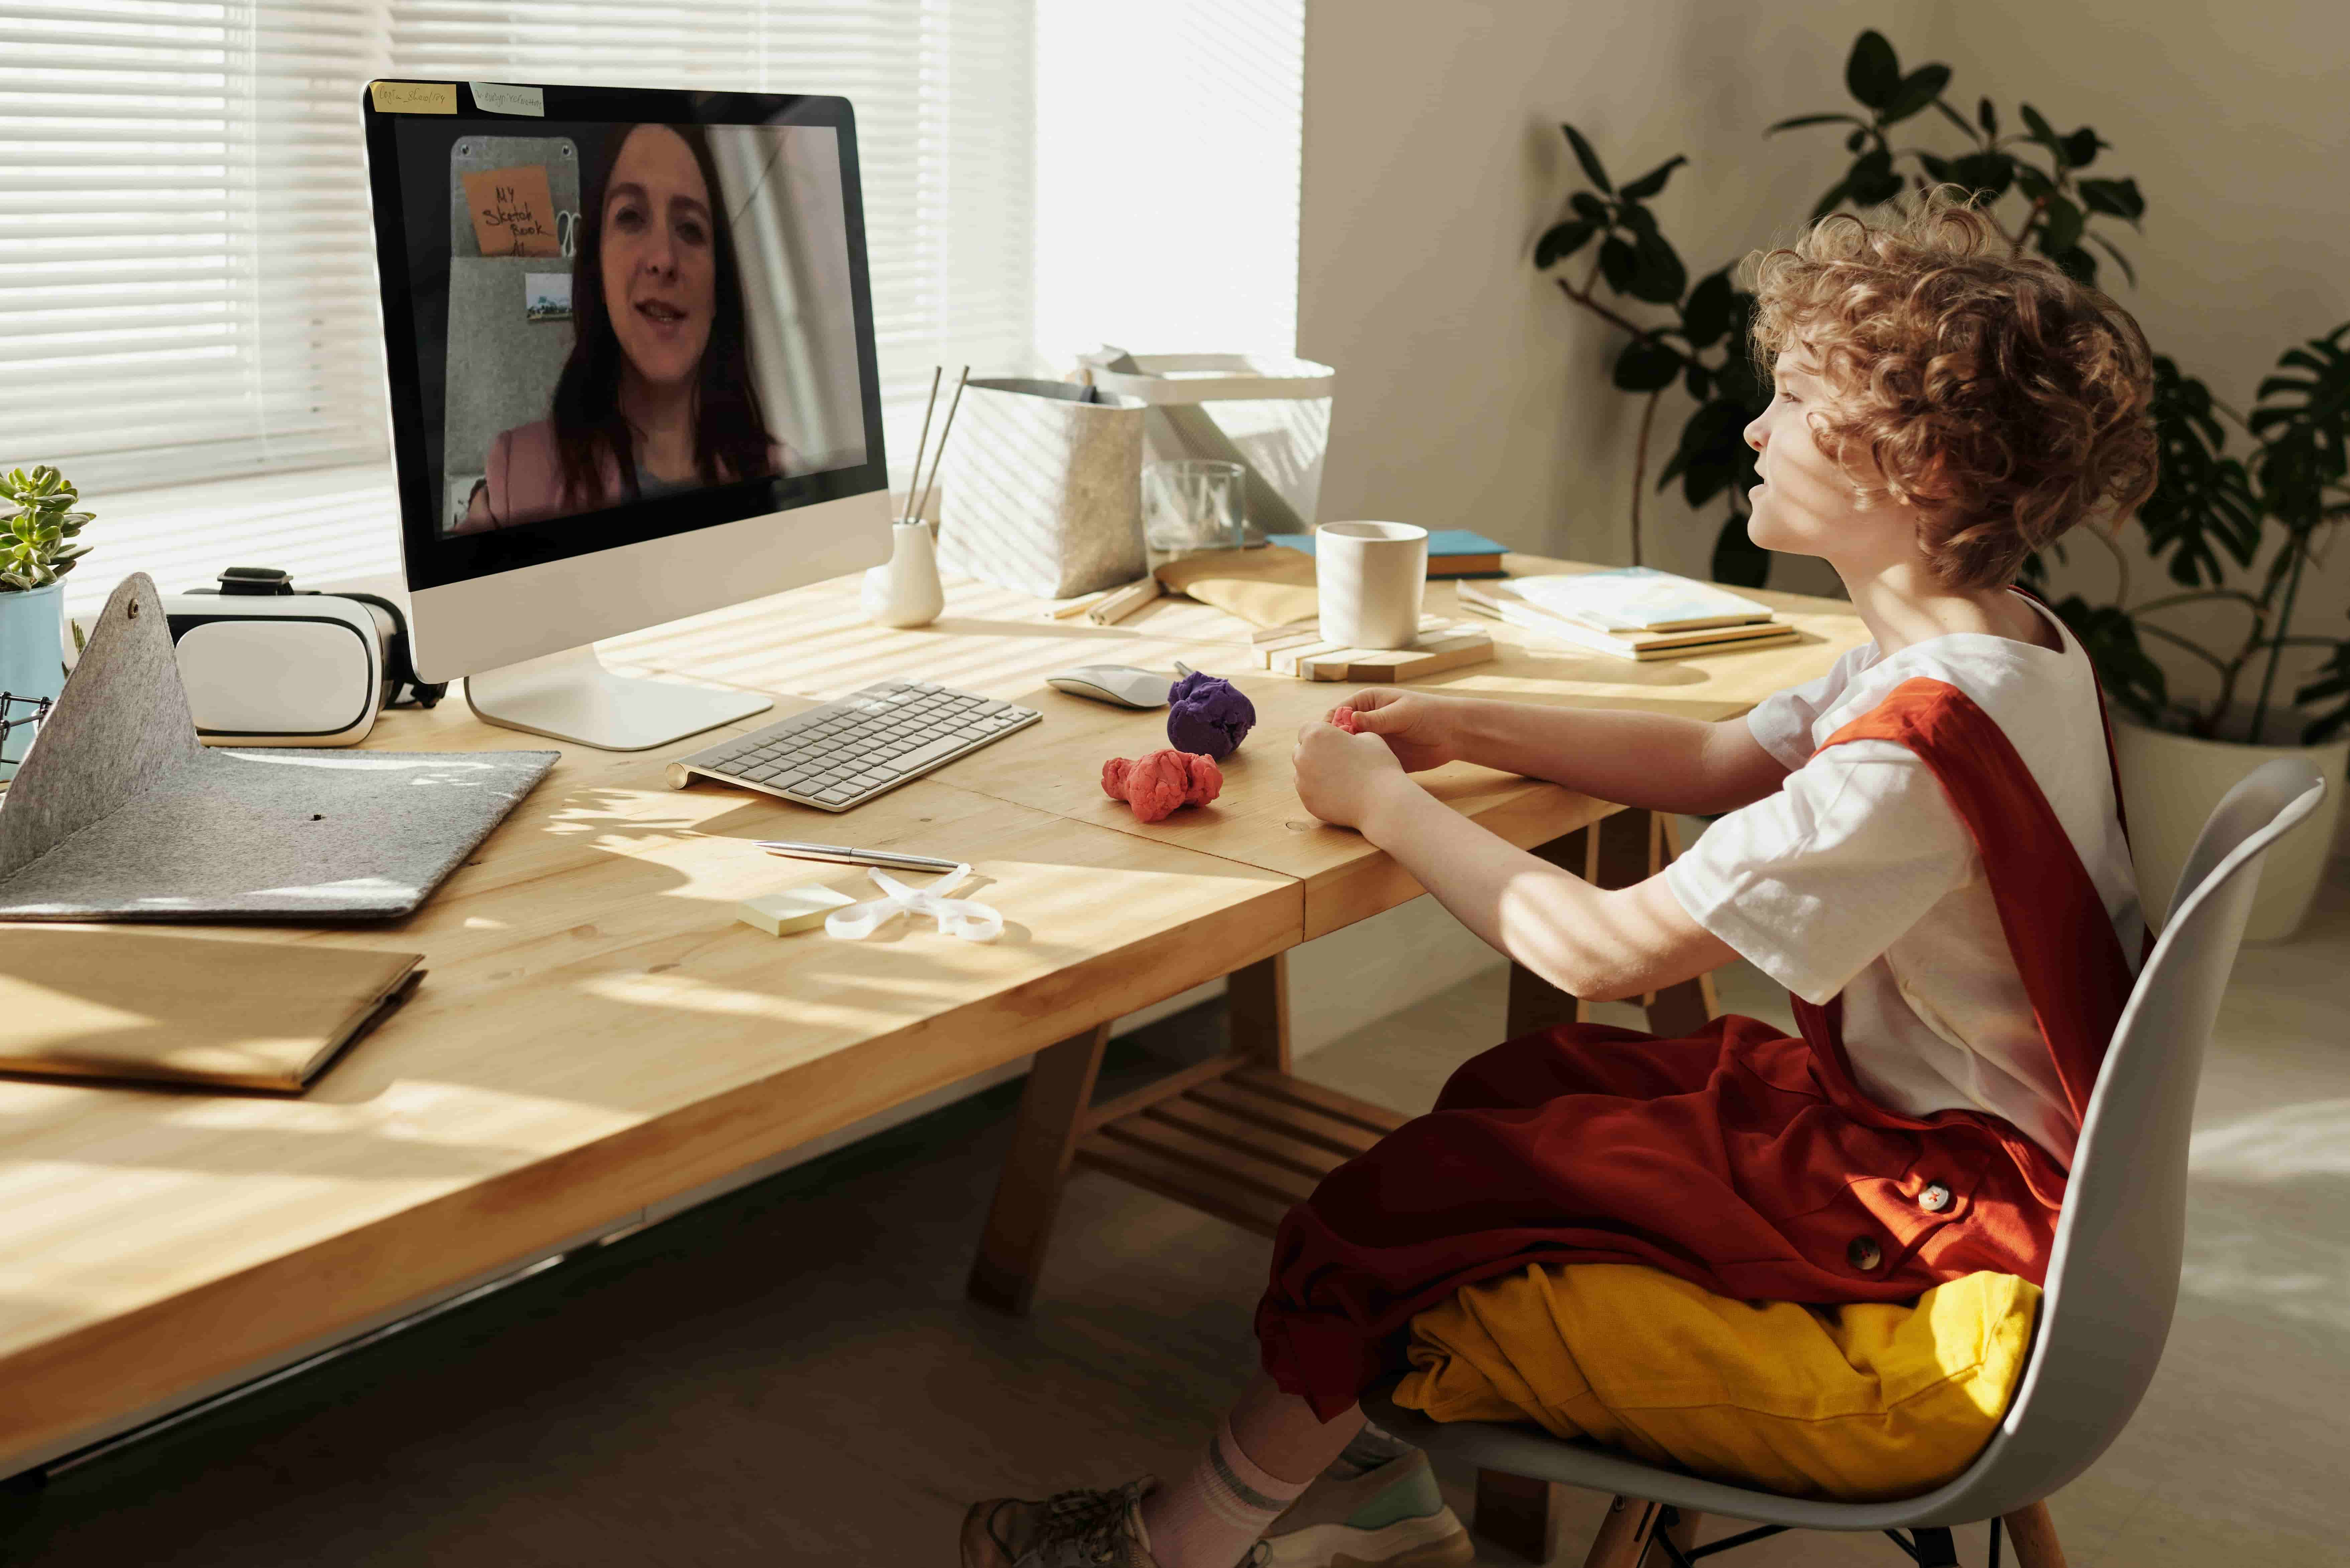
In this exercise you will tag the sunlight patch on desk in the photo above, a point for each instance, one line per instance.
(685, 994)
(43, 1016)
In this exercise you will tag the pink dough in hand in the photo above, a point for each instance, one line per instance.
(1346, 720)
(1155, 784)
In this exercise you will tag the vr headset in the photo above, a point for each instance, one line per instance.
(267, 665)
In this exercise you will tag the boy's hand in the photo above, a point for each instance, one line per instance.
(1422, 730)
(1340, 776)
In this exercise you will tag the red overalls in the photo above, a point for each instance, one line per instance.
(1739, 1159)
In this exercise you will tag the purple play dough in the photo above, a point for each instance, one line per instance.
(1207, 716)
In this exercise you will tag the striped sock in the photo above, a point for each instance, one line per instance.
(1211, 1517)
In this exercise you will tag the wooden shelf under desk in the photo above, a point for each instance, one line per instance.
(1244, 1143)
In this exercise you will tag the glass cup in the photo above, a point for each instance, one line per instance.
(1194, 503)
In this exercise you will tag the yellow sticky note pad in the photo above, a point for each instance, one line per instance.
(793, 909)
(414, 98)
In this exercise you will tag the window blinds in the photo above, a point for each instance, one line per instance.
(187, 281)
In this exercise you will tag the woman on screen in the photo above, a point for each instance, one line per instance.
(657, 396)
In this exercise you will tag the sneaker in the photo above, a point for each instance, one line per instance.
(1389, 1517)
(1077, 1529)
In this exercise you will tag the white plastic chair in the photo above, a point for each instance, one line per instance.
(2112, 1282)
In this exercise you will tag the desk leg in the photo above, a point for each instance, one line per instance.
(1256, 1001)
(1028, 1193)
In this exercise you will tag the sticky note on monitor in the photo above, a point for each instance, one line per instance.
(413, 98)
(793, 909)
(514, 210)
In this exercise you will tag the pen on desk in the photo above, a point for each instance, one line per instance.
(841, 852)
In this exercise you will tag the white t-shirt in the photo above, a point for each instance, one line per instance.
(1858, 877)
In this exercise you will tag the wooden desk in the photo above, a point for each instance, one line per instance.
(597, 1034)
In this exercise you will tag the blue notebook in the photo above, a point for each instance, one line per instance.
(1451, 552)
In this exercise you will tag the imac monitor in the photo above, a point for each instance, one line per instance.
(629, 340)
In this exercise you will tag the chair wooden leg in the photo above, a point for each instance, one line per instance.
(1624, 1534)
(1028, 1193)
(1516, 1513)
(1682, 1530)
(2034, 1535)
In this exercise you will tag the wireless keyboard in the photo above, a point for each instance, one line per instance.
(843, 753)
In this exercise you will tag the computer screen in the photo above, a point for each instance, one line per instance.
(635, 314)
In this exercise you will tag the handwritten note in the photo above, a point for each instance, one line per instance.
(514, 210)
(414, 98)
(499, 97)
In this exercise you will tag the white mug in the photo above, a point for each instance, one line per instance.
(1368, 578)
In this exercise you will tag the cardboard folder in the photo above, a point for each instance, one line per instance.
(164, 1007)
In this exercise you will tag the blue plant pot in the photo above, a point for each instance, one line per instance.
(32, 660)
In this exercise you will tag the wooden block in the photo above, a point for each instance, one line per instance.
(1441, 646)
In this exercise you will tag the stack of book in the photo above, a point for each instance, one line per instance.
(1451, 552)
(1635, 612)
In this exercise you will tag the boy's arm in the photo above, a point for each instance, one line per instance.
(1601, 946)
(1649, 760)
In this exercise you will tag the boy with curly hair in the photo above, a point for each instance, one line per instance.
(1924, 846)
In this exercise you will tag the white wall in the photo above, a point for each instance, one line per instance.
(1472, 395)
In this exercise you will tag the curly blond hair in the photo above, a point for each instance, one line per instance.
(2003, 400)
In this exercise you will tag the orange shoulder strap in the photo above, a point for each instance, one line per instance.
(2073, 970)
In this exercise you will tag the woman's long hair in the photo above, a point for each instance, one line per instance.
(730, 436)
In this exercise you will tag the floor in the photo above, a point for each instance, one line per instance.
(791, 1375)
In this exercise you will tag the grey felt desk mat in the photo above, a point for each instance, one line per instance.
(119, 813)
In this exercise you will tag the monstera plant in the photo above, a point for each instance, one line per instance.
(2239, 530)
(2030, 182)
(2245, 506)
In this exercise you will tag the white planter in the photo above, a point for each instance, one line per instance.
(2169, 785)
(905, 591)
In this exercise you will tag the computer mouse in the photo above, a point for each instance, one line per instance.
(1120, 684)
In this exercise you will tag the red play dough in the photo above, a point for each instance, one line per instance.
(1158, 783)
(1346, 720)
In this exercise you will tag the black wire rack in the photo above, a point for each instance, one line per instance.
(12, 717)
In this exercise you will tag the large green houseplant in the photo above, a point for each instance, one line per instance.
(2031, 186)
(2243, 529)
(38, 524)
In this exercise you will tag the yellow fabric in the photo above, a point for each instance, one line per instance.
(1854, 1403)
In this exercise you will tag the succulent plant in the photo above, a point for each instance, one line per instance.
(36, 541)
